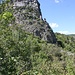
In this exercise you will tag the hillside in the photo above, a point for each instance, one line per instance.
(22, 53)
(73, 35)
(66, 41)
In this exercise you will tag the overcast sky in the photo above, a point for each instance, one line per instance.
(60, 14)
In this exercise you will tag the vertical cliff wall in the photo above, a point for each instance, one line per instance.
(27, 13)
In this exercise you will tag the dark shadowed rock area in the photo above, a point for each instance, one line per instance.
(28, 15)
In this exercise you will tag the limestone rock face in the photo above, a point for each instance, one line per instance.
(28, 14)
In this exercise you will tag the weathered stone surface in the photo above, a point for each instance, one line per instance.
(28, 14)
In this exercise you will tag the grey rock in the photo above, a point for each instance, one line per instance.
(28, 14)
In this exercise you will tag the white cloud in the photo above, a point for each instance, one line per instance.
(63, 32)
(72, 33)
(58, 1)
(66, 32)
(53, 25)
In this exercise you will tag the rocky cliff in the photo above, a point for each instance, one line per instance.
(28, 14)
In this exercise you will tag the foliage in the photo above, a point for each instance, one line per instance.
(7, 15)
(67, 41)
(21, 53)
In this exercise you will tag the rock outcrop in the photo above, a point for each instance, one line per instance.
(28, 14)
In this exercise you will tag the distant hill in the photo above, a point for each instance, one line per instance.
(73, 35)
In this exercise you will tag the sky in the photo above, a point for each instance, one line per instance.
(60, 14)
